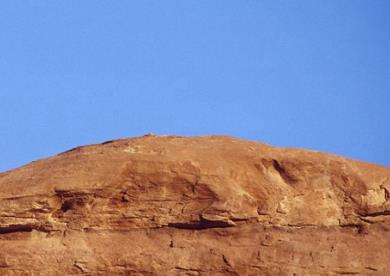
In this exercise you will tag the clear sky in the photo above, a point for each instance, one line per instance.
(312, 74)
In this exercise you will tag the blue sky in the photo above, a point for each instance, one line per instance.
(312, 74)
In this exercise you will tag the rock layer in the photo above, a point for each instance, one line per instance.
(168, 205)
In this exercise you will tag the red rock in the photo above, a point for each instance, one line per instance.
(164, 205)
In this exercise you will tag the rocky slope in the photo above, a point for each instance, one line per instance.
(165, 205)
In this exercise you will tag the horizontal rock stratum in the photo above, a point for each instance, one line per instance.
(169, 205)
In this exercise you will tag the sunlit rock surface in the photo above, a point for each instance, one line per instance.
(168, 205)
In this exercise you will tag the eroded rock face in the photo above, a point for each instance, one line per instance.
(194, 206)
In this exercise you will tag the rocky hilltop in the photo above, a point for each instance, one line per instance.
(168, 205)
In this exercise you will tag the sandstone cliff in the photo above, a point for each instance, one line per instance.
(165, 205)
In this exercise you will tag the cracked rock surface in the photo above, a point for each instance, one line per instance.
(169, 205)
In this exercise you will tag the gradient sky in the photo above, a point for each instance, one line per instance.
(312, 74)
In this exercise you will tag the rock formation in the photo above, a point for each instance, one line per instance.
(168, 205)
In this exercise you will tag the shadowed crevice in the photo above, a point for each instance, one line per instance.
(200, 225)
(288, 178)
(16, 228)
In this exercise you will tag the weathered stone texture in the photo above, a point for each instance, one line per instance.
(167, 205)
